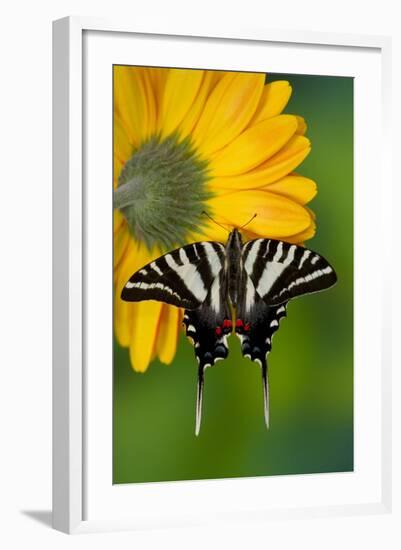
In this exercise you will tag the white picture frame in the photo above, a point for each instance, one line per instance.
(77, 482)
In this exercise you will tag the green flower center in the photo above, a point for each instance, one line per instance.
(162, 192)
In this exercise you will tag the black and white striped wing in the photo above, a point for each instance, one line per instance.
(180, 278)
(281, 271)
(207, 328)
(274, 272)
(255, 326)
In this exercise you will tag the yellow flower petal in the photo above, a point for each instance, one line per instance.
(276, 215)
(299, 238)
(211, 231)
(118, 220)
(254, 146)
(144, 331)
(311, 213)
(135, 256)
(117, 167)
(217, 76)
(122, 310)
(132, 102)
(296, 188)
(150, 102)
(302, 126)
(123, 147)
(274, 99)
(228, 110)
(158, 79)
(249, 235)
(121, 241)
(180, 91)
(192, 116)
(278, 166)
(123, 316)
(168, 333)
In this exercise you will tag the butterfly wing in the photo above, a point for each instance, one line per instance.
(191, 277)
(207, 328)
(180, 278)
(273, 273)
(281, 271)
(255, 325)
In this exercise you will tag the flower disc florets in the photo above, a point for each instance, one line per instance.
(162, 192)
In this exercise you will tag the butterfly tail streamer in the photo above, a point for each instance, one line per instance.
(266, 396)
(199, 397)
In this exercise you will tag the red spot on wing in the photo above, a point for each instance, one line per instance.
(242, 327)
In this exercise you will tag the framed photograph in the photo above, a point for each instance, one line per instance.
(220, 337)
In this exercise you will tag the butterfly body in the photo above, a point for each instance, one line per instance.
(236, 287)
(233, 265)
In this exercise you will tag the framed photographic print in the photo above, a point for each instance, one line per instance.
(217, 198)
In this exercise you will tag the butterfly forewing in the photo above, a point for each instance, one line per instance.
(281, 271)
(181, 278)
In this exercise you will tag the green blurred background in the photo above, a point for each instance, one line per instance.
(311, 365)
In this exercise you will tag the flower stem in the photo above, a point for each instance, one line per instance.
(127, 193)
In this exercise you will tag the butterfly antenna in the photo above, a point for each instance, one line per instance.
(266, 397)
(248, 222)
(199, 396)
(217, 223)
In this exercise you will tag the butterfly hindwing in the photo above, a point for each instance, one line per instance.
(255, 325)
(281, 271)
(181, 278)
(207, 328)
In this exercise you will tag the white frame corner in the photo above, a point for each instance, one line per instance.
(68, 251)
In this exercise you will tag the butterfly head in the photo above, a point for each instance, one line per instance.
(234, 239)
(234, 234)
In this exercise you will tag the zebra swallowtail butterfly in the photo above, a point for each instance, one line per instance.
(234, 287)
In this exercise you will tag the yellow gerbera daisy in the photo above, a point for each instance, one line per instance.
(187, 141)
